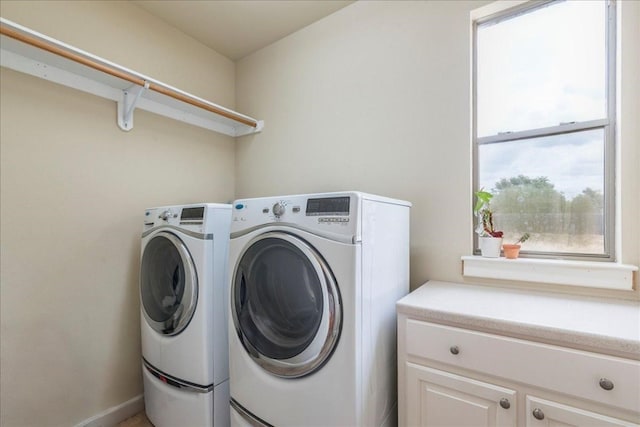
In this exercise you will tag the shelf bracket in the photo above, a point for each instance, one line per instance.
(127, 105)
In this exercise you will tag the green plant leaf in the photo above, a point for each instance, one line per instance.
(484, 198)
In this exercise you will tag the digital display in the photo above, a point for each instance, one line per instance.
(328, 206)
(192, 214)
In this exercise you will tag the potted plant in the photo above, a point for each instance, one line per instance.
(512, 250)
(490, 239)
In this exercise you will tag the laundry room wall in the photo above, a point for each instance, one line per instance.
(376, 97)
(73, 191)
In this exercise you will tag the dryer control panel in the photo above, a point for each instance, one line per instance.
(334, 213)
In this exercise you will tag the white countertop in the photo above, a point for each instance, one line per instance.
(602, 325)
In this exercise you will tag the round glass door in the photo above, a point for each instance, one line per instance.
(168, 284)
(285, 304)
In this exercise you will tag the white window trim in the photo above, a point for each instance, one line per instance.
(591, 274)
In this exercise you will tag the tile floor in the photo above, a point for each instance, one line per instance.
(138, 420)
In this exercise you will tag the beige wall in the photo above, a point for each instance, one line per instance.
(376, 97)
(73, 192)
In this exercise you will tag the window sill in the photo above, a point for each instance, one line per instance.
(559, 272)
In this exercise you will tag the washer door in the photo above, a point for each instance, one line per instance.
(168, 284)
(285, 305)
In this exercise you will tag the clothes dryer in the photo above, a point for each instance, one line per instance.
(313, 285)
(183, 296)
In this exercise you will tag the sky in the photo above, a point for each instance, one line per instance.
(538, 70)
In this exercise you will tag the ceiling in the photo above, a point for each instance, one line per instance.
(236, 28)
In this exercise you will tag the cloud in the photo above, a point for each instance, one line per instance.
(570, 166)
(543, 68)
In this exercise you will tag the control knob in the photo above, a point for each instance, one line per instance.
(166, 215)
(278, 209)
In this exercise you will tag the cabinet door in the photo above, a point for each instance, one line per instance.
(439, 398)
(542, 413)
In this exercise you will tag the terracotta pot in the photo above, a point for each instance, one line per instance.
(490, 246)
(511, 251)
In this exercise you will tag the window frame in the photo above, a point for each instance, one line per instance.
(502, 10)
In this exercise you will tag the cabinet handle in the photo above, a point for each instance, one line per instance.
(455, 350)
(504, 402)
(538, 414)
(606, 384)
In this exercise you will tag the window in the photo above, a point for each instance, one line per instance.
(543, 125)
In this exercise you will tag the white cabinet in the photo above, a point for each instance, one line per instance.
(451, 376)
(439, 398)
(541, 412)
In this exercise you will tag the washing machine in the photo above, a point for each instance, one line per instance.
(183, 297)
(313, 284)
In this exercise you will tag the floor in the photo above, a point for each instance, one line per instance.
(138, 420)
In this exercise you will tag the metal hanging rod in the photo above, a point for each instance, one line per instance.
(105, 68)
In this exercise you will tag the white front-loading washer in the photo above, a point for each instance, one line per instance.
(183, 295)
(313, 285)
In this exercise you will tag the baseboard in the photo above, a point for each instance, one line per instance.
(116, 414)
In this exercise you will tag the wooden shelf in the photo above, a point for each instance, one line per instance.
(27, 51)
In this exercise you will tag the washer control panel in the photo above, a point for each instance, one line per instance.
(190, 217)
